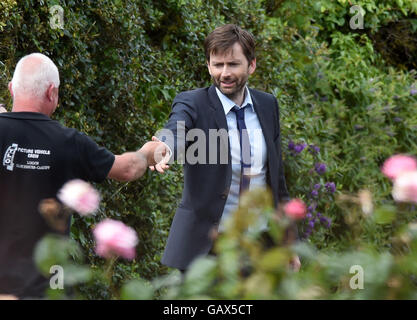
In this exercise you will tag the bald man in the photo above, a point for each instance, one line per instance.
(39, 155)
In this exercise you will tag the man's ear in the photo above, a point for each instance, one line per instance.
(50, 93)
(208, 67)
(252, 66)
(11, 88)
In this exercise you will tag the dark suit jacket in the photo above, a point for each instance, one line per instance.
(206, 186)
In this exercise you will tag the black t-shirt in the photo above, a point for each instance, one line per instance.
(38, 155)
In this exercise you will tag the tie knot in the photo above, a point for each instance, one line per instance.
(240, 112)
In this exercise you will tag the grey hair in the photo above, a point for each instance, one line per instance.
(37, 82)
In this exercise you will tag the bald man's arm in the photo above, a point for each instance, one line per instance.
(130, 166)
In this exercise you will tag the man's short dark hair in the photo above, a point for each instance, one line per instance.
(221, 39)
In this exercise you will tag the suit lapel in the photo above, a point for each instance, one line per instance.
(217, 108)
(220, 119)
(219, 116)
(264, 119)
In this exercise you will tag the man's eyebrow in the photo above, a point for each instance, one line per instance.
(221, 62)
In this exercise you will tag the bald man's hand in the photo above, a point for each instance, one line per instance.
(160, 155)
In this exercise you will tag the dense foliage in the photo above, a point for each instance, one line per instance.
(349, 92)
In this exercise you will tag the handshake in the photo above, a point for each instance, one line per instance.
(157, 154)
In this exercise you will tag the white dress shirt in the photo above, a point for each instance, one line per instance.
(258, 154)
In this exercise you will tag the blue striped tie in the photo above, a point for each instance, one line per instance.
(245, 153)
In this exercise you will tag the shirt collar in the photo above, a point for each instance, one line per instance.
(25, 115)
(229, 104)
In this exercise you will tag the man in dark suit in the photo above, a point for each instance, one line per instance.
(229, 139)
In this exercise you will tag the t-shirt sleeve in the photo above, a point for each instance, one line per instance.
(95, 162)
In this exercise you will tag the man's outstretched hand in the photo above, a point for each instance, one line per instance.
(157, 153)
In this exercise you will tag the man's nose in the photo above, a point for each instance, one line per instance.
(225, 71)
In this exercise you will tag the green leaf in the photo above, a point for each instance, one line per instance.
(75, 274)
(200, 275)
(55, 250)
(137, 289)
(385, 214)
(274, 259)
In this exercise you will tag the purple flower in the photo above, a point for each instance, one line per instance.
(413, 92)
(311, 224)
(330, 186)
(313, 149)
(309, 215)
(326, 221)
(319, 215)
(307, 233)
(314, 193)
(312, 207)
(291, 145)
(317, 186)
(320, 168)
(299, 147)
(329, 223)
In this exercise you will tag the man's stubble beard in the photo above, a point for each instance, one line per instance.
(234, 94)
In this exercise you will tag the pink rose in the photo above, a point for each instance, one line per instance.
(397, 164)
(80, 196)
(405, 187)
(114, 238)
(295, 209)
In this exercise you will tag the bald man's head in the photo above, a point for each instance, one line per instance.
(35, 84)
(33, 75)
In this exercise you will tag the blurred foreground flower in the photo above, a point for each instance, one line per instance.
(2, 108)
(398, 164)
(115, 238)
(405, 187)
(295, 209)
(54, 214)
(80, 196)
(365, 200)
